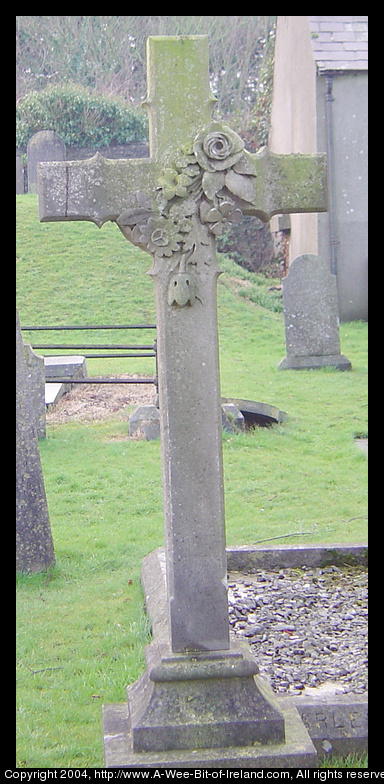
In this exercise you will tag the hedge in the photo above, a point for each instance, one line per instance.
(80, 117)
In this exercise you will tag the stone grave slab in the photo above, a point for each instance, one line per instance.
(73, 366)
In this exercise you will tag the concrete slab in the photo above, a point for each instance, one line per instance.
(73, 366)
(53, 392)
(70, 365)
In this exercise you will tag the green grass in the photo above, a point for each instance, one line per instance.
(82, 628)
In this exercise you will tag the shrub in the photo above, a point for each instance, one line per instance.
(80, 117)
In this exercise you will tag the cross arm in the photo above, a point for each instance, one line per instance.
(287, 183)
(96, 189)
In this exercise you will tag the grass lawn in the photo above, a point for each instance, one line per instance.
(82, 628)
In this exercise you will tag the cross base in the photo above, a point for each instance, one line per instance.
(297, 751)
(200, 709)
(338, 361)
(190, 701)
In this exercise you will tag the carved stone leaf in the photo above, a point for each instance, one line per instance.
(209, 214)
(212, 182)
(245, 165)
(134, 215)
(240, 185)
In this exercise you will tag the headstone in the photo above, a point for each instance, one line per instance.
(34, 546)
(311, 316)
(43, 146)
(198, 180)
(19, 174)
(36, 381)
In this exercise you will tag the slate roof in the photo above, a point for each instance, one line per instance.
(340, 43)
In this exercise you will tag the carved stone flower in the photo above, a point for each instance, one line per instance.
(218, 149)
(158, 236)
(221, 217)
(225, 163)
(174, 183)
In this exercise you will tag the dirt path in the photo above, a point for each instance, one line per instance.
(95, 402)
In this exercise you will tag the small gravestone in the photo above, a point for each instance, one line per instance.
(34, 546)
(43, 146)
(311, 316)
(144, 423)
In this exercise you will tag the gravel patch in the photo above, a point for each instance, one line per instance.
(307, 627)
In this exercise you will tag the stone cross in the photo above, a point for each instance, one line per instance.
(197, 182)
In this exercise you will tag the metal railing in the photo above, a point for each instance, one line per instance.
(124, 350)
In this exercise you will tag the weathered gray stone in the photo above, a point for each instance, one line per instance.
(43, 146)
(337, 724)
(73, 366)
(311, 316)
(231, 418)
(297, 751)
(212, 699)
(256, 413)
(262, 556)
(144, 423)
(36, 380)
(210, 710)
(19, 174)
(34, 546)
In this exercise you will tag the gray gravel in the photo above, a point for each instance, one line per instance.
(307, 628)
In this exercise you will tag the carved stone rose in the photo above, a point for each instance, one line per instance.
(219, 149)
